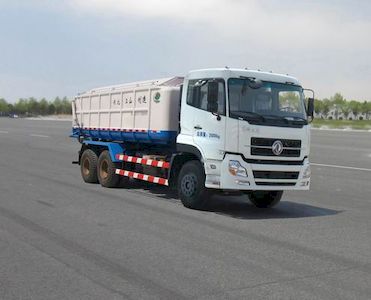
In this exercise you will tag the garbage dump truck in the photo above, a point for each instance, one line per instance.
(215, 130)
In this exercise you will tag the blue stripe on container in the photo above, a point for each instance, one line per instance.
(149, 137)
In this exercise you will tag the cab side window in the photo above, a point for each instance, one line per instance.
(200, 95)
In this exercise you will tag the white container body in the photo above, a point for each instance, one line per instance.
(140, 106)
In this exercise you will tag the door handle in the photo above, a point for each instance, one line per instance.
(198, 127)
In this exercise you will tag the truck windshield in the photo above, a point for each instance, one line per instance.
(271, 104)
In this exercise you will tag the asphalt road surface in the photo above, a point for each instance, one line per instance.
(63, 239)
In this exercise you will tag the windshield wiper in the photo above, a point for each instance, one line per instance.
(287, 119)
(296, 118)
(300, 118)
(248, 114)
(276, 117)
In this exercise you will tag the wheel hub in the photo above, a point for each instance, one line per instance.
(104, 169)
(189, 184)
(86, 167)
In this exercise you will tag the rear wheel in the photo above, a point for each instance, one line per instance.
(265, 199)
(191, 185)
(107, 171)
(88, 166)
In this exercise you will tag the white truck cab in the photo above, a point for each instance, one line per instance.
(250, 129)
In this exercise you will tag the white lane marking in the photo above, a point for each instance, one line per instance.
(341, 167)
(2, 131)
(39, 135)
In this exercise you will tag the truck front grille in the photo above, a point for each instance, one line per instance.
(276, 183)
(263, 147)
(275, 175)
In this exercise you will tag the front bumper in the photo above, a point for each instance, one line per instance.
(259, 176)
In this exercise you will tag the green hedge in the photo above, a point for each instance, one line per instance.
(32, 106)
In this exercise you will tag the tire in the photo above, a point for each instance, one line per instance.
(265, 199)
(88, 166)
(106, 171)
(191, 185)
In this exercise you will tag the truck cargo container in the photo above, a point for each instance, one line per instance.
(222, 130)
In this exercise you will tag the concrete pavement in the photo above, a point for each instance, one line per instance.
(63, 239)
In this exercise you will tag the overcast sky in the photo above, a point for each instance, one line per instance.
(50, 48)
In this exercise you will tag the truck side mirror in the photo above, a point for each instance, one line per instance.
(310, 108)
(212, 96)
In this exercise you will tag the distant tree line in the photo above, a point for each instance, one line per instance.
(335, 107)
(338, 108)
(34, 107)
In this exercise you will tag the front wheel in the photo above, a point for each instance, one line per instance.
(191, 185)
(265, 199)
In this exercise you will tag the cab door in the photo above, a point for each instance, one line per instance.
(206, 100)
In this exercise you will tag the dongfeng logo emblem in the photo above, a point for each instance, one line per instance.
(277, 147)
(157, 97)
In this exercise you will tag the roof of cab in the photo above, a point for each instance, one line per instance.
(231, 72)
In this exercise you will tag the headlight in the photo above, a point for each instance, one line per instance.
(236, 169)
(306, 173)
